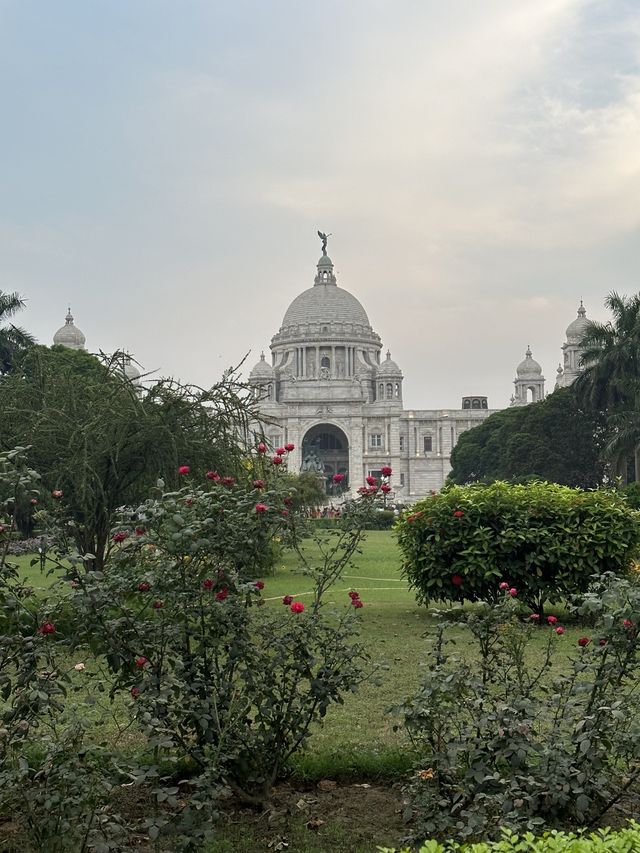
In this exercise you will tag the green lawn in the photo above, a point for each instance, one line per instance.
(357, 744)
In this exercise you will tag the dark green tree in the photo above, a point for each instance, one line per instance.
(556, 440)
(104, 444)
(610, 381)
(13, 339)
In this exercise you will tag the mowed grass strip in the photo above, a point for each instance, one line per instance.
(357, 739)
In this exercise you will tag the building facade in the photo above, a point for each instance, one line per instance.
(329, 390)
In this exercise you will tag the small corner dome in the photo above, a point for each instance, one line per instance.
(389, 367)
(529, 367)
(131, 371)
(262, 370)
(69, 335)
(576, 329)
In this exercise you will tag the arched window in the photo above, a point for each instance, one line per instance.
(324, 361)
(389, 391)
(381, 391)
(475, 404)
(397, 390)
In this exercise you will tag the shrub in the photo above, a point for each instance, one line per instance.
(506, 740)
(545, 540)
(213, 676)
(602, 841)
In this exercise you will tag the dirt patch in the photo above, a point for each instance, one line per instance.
(299, 819)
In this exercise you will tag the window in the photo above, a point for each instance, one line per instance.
(375, 439)
(402, 479)
(324, 361)
(381, 391)
(376, 474)
(389, 391)
(401, 443)
(428, 444)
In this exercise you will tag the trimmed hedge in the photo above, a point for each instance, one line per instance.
(545, 540)
(624, 841)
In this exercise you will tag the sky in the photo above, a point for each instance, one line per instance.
(165, 166)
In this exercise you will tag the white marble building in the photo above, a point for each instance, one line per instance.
(328, 390)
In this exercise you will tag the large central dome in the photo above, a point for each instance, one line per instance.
(326, 303)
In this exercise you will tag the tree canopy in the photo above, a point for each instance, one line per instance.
(104, 444)
(13, 339)
(556, 440)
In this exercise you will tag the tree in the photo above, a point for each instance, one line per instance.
(610, 381)
(13, 339)
(94, 437)
(556, 440)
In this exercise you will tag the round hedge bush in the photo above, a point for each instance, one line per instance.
(546, 541)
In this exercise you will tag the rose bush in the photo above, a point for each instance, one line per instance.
(506, 740)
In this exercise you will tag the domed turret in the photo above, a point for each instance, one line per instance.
(69, 335)
(529, 366)
(576, 329)
(389, 367)
(572, 350)
(262, 377)
(389, 380)
(529, 381)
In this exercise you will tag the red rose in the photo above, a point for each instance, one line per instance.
(284, 513)
(353, 595)
(287, 599)
(386, 488)
(456, 580)
(627, 623)
(338, 478)
(262, 447)
(602, 641)
(135, 691)
(386, 471)
(357, 603)
(371, 481)
(259, 584)
(559, 630)
(535, 617)
(513, 592)
(258, 484)
(288, 502)
(363, 490)
(280, 451)
(120, 536)
(141, 661)
(297, 607)
(584, 641)
(212, 475)
(552, 620)
(289, 447)
(57, 493)
(140, 531)
(277, 460)
(228, 481)
(208, 584)
(33, 501)
(458, 513)
(260, 508)
(144, 586)
(504, 585)
(158, 605)
(222, 594)
(184, 469)
(47, 628)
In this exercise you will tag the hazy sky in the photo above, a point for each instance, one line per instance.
(164, 167)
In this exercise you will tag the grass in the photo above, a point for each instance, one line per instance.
(357, 743)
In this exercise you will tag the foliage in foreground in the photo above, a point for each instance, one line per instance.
(603, 841)
(223, 689)
(546, 541)
(508, 740)
(558, 439)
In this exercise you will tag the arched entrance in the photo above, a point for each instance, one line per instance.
(325, 450)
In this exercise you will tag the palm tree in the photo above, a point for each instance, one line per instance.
(13, 339)
(610, 381)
